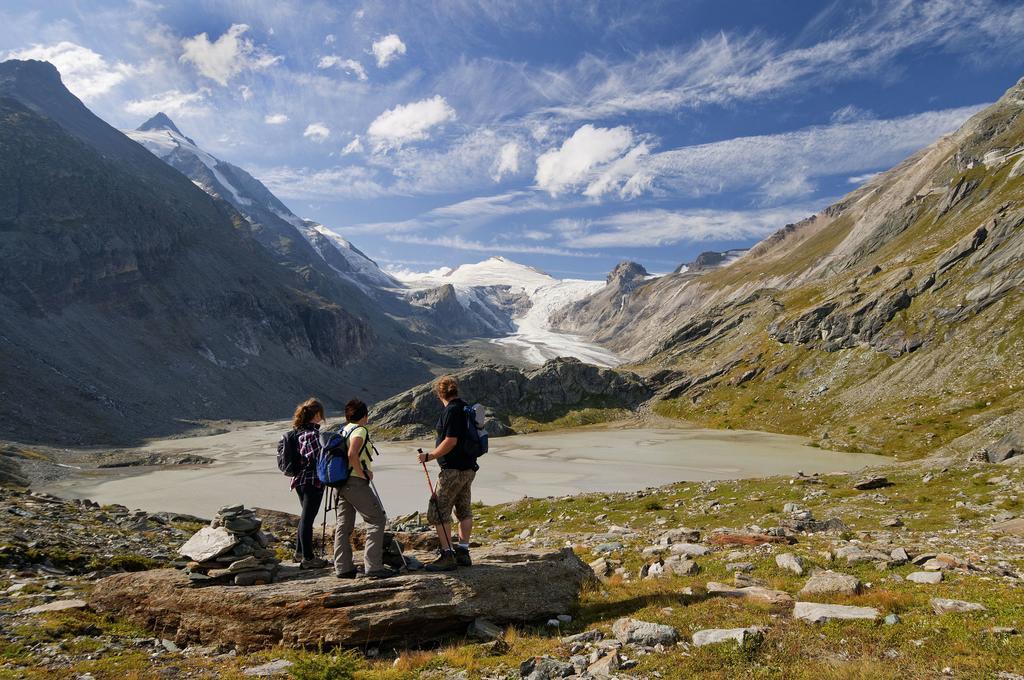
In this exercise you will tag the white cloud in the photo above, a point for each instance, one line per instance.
(318, 132)
(409, 122)
(783, 165)
(862, 179)
(581, 156)
(329, 39)
(173, 102)
(306, 184)
(850, 114)
(387, 49)
(355, 146)
(246, 93)
(347, 65)
(86, 73)
(507, 162)
(275, 119)
(227, 56)
(459, 243)
(656, 228)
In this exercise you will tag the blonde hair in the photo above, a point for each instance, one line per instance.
(446, 387)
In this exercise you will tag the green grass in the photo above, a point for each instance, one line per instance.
(575, 418)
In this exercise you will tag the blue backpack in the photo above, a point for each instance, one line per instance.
(332, 465)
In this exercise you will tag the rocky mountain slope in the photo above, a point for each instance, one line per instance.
(889, 322)
(278, 228)
(131, 300)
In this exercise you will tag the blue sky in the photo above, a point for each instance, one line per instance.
(568, 136)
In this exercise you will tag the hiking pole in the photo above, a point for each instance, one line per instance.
(381, 504)
(433, 497)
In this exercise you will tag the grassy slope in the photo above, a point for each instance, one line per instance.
(968, 374)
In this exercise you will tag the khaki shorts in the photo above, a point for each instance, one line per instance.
(453, 491)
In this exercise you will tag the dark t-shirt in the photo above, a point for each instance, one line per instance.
(452, 423)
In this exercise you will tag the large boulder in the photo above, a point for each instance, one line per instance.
(305, 609)
(1008, 446)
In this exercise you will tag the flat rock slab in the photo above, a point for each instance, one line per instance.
(713, 636)
(929, 577)
(775, 598)
(58, 606)
(308, 608)
(831, 582)
(745, 538)
(943, 606)
(822, 613)
(632, 631)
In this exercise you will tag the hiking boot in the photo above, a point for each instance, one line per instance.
(446, 562)
(347, 574)
(313, 563)
(378, 574)
(462, 557)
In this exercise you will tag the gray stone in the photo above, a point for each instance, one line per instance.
(790, 562)
(943, 606)
(482, 629)
(252, 578)
(632, 631)
(249, 563)
(56, 606)
(242, 525)
(739, 566)
(872, 482)
(679, 535)
(606, 548)
(689, 549)
(930, 577)
(891, 620)
(753, 593)
(829, 583)
(677, 565)
(586, 636)
(208, 543)
(606, 666)
(1009, 446)
(713, 636)
(899, 556)
(821, 613)
(545, 668)
(278, 667)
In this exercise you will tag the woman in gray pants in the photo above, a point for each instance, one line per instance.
(356, 495)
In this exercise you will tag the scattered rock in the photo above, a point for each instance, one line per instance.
(1009, 446)
(278, 667)
(822, 613)
(745, 538)
(57, 606)
(873, 482)
(790, 562)
(753, 593)
(631, 631)
(713, 636)
(606, 666)
(944, 606)
(689, 549)
(830, 583)
(679, 535)
(482, 629)
(545, 668)
(928, 577)
(891, 620)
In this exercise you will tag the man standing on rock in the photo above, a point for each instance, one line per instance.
(458, 468)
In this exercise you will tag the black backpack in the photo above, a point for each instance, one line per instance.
(289, 461)
(475, 443)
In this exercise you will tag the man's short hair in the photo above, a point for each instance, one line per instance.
(446, 387)
(355, 411)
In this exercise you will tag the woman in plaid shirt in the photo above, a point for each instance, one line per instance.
(308, 417)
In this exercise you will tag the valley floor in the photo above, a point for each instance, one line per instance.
(958, 522)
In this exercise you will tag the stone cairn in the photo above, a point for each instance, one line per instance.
(232, 550)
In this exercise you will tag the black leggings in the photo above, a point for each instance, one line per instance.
(310, 497)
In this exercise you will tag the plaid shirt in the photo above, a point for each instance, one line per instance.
(309, 451)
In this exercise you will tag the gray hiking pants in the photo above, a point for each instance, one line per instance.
(357, 496)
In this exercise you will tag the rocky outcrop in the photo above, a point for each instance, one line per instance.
(308, 609)
(482, 311)
(542, 394)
